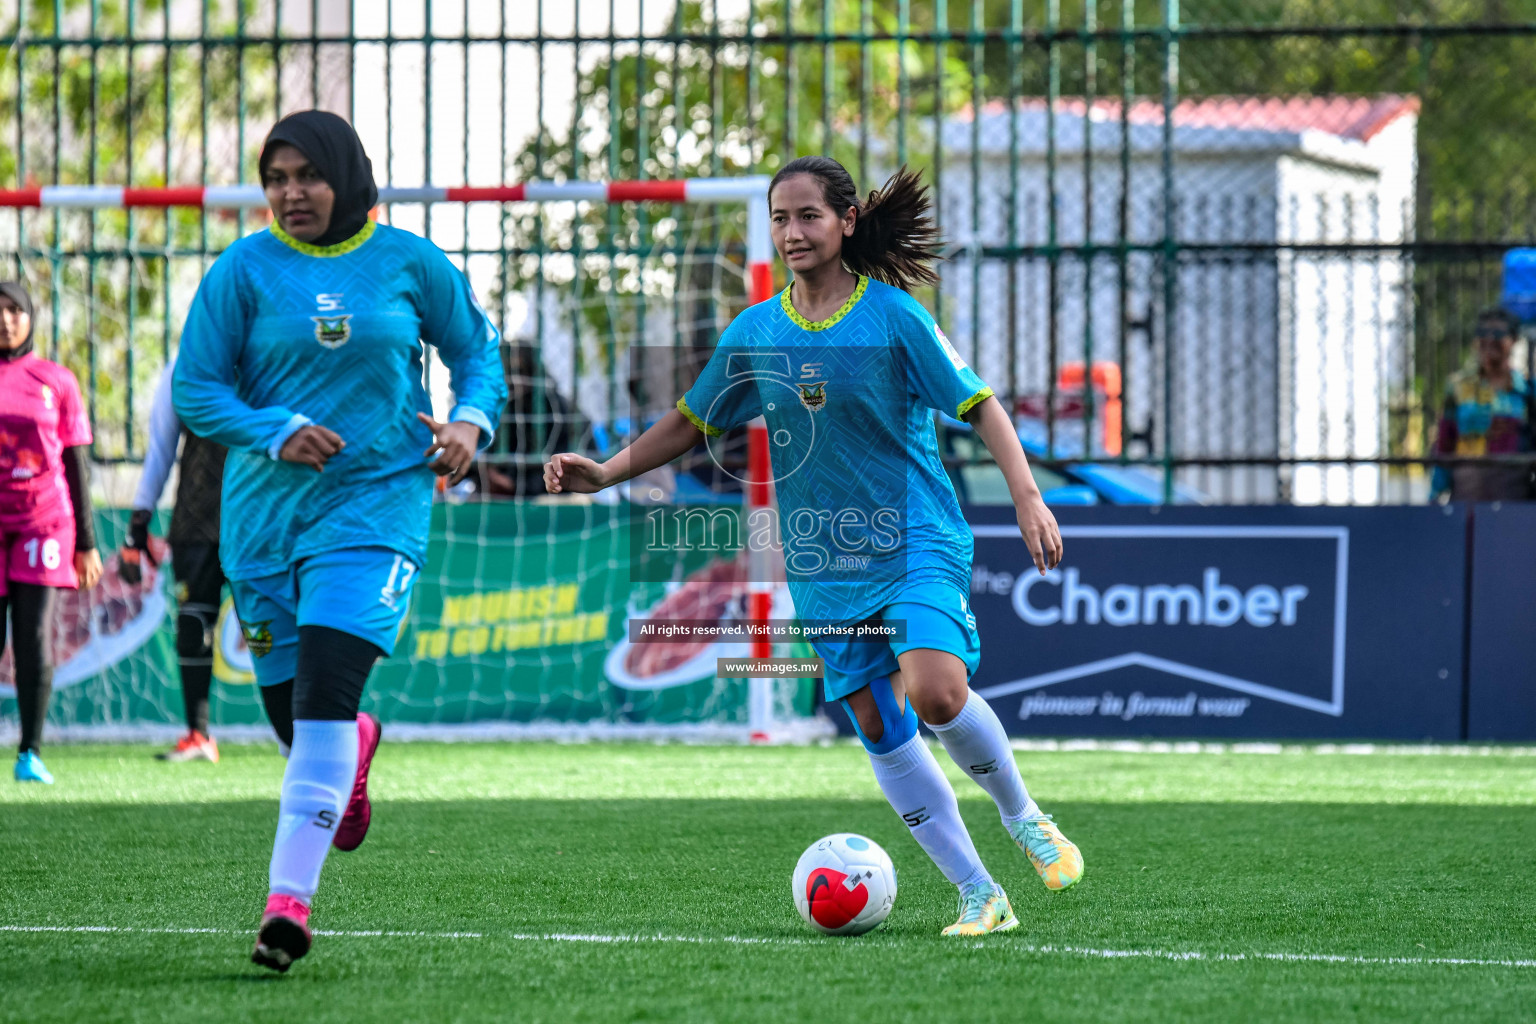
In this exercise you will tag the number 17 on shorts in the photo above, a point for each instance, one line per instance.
(398, 587)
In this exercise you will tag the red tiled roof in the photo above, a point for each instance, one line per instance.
(1351, 117)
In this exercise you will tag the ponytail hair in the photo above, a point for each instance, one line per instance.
(894, 237)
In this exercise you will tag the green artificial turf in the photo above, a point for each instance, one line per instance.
(1411, 856)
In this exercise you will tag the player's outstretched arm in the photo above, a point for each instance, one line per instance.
(1036, 524)
(667, 438)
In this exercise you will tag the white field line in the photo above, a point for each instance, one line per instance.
(1005, 945)
(692, 940)
(1321, 749)
(725, 735)
(801, 731)
(1307, 958)
(87, 929)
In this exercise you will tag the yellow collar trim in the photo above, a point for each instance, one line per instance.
(339, 249)
(831, 321)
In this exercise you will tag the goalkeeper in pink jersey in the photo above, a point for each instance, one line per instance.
(47, 536)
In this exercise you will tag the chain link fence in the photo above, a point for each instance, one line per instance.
(1238, 246)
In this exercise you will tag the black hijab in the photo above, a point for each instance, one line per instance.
(17, 293)
(333, 147)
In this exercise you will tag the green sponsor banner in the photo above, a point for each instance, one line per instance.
(519, 616)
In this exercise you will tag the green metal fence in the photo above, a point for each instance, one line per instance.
(1238, 244)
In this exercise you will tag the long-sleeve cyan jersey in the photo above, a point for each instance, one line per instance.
(283, 334)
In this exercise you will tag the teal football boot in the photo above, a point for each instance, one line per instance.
(29, 768)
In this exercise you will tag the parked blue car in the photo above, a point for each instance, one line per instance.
(978, 481)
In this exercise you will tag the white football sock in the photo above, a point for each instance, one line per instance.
(977, 743)
(316, 787)
(916, 787)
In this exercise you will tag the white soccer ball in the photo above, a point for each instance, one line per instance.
(844, 884)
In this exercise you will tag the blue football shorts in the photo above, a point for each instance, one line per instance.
(361, 591)
(937, 617)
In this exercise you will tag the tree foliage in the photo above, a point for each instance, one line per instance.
(147, 115)
(698, 109)
(705, 108)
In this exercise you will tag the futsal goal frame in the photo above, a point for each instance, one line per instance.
(751, 191)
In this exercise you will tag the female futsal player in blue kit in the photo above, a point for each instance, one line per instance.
(302, 354)
(847, 368)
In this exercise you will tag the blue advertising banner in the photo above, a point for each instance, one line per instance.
(1323, 623)
(1501, 672)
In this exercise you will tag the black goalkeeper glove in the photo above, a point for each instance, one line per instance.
(136, 547)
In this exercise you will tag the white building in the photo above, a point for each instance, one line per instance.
(1275, 352)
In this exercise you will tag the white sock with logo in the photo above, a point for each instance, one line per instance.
(979, 745)
(316, 787)
(915, 785)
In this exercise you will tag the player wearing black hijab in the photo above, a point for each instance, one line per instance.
(333, 150)
(302, 354)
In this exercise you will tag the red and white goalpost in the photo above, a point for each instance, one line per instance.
(751, 191)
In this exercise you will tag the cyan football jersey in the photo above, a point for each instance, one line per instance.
(281, 334)
(865, 507)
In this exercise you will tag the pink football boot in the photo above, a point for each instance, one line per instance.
(354, 824)
(284, 936)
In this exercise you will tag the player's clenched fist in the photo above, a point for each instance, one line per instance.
(311, 445)
(574, 473)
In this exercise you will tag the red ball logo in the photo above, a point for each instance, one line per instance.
(832, 903)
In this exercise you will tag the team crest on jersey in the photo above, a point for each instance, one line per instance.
(814, 396)
(47, 393)
(258, 638)
(332, 331)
